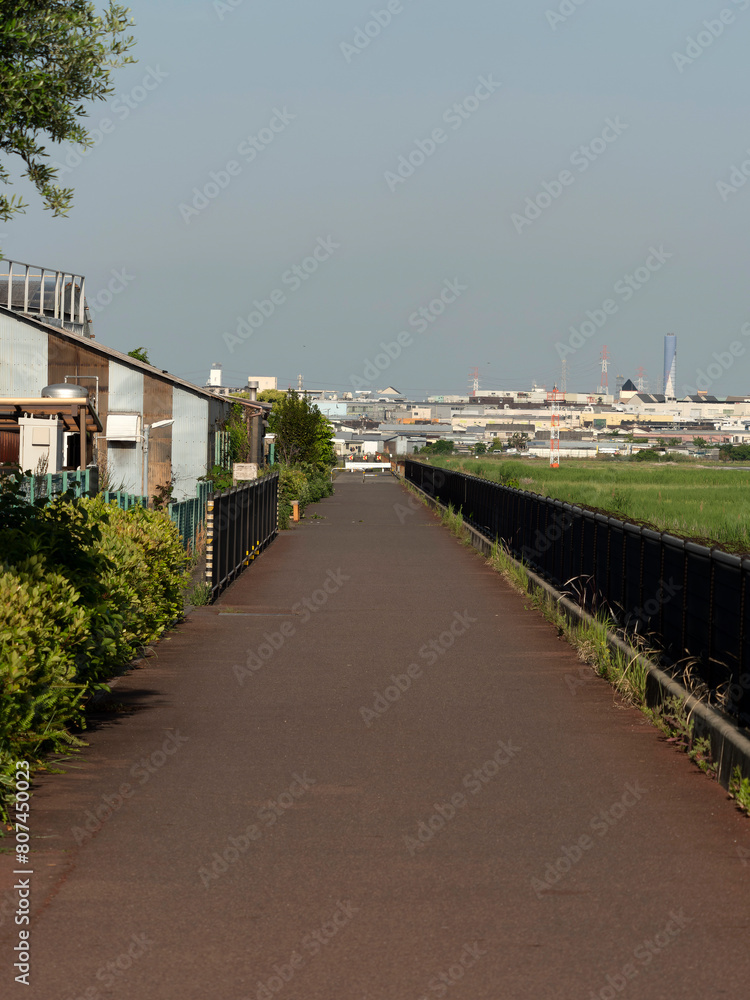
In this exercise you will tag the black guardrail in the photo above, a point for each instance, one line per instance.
(686, 599)
(240, 523)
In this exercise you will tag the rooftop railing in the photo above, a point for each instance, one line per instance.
(44, 291)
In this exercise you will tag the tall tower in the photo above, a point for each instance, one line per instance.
(603, 389)
(670, 366)
(474, 381)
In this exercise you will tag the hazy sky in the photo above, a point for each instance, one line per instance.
(255, 138)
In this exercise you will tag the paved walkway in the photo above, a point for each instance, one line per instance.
(378, 778)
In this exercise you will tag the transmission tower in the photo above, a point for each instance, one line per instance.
(641, 379)
(474, 382)
(603, 389)
(555, 399)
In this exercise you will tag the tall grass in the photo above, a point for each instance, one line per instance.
(710, 504)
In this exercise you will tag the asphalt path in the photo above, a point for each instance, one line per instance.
(369, 772)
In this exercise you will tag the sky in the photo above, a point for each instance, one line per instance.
(402, 192)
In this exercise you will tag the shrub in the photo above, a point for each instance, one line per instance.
(303, 483)
(83, 586)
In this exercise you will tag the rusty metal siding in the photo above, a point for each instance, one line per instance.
(23, 358)
(125, 396)
(74, 359)
(157, 405)
(10, 446)
(190, 434)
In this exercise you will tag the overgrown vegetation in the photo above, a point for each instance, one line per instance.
(306, 484)
(83, 587)
(739, 789)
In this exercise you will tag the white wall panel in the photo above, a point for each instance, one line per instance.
(23, 358)
(189, 441)
(125, 396)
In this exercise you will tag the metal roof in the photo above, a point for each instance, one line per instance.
(110, 352)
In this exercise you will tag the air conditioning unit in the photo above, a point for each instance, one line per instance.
(124, 427)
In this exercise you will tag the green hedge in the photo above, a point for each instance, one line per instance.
(301, 483)
(83, 586)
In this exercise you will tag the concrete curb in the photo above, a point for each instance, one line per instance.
(730, 748)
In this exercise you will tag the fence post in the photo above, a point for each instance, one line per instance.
(210, 543)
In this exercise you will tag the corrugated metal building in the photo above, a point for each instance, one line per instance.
(34, 354)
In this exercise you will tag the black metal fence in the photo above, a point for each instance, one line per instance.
(687, 599)
(240, 523)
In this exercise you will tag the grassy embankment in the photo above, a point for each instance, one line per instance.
(705, 503)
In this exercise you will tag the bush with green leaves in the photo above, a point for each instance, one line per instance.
(83, 586)
(303, 483)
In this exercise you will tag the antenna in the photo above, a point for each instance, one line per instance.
(474, 381)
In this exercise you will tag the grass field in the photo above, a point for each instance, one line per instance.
(704, 503)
